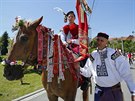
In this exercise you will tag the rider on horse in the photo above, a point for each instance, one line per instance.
(69, 37)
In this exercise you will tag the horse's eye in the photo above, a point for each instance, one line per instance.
(24, 38)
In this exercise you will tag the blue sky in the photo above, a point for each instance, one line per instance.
(115, 17)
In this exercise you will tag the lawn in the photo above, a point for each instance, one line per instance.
(10, 90)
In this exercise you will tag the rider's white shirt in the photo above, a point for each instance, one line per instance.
(65, 37)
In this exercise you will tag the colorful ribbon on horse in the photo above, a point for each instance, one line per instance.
(62, 58)
(50, 64)
(53, 55)
(40, 44)
(70, 61)
(83, 31)
(42, 48)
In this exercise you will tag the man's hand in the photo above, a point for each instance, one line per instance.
(133, 98)
(69, 41)
(65, 44)
(86, 6)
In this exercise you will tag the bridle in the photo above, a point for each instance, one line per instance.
(30, 57)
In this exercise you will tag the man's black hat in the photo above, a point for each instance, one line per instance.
(70, 12)
(101, 34)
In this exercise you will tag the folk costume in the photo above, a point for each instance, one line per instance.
(70, 32)
(108, 68)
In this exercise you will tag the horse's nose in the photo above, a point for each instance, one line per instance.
(4, 75)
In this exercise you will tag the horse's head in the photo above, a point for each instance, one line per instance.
(24, 49)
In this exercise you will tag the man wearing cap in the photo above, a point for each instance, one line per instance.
(108, 68)
(69, 35)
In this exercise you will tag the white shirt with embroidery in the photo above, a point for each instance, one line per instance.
(117, 70)
(65, 37)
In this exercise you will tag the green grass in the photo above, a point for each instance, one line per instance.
(10, 90)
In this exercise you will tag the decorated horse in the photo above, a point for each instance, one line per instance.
(36, 45)
(60, 76)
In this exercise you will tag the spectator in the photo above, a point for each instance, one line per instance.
(130, 58)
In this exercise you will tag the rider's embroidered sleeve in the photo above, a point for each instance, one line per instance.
(86, 70)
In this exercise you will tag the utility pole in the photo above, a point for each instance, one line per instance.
(122, 47)
(89, 34)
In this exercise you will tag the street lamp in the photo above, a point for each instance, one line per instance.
(133, 32)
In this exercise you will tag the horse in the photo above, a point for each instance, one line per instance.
(25, 48)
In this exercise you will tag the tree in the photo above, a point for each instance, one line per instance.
(92, 45)
(4, 43)
(129, 46)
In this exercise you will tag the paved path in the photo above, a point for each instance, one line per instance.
(41, 95)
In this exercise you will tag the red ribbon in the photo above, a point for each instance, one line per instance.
(42, 44)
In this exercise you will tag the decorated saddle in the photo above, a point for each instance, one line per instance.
(53, 55)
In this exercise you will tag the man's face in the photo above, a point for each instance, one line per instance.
(101, 42)
(71, 18)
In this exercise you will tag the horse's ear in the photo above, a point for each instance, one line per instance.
(35, 23)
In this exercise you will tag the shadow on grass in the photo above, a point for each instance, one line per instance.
(25, 83)
(29, 71)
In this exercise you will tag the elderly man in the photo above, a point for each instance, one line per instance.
(108, 68)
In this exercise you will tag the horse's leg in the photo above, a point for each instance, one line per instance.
(85, 95)
(52, 97)
(70, 96)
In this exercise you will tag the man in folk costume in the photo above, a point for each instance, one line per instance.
(108, 69)
(69, 36)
